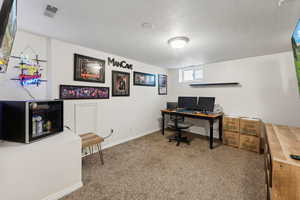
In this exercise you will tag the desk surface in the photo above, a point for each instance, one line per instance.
(283, 141)
(195, 114)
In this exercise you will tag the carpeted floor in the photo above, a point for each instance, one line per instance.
(151, 168)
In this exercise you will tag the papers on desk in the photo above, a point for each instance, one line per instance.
(218, 109)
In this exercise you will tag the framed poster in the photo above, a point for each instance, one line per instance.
(162, 84)
(83, 92)
(144, 79)
(89, 69)
(120, 83)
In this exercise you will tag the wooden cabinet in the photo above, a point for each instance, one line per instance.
(282, 172)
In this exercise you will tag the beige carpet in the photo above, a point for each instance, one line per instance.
(151, 168)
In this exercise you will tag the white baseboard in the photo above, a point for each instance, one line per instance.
(95, 150)
(64, 192)
(129, 139)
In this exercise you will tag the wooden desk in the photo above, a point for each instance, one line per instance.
(282, 172)
(210, 117)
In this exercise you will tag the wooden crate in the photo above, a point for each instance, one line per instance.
(231, 123)
(250, 126)
(250, 143)
(231, 138)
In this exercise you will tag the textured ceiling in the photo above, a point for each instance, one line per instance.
(218, 30)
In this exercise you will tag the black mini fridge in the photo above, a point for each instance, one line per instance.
(28, 121)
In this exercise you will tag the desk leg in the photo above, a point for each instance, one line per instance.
(221, 128)
(163, 124)
(211, 133)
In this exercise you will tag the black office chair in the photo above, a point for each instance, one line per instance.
(181, 125)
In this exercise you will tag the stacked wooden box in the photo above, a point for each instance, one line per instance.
(231, 126)
(242, 132)
(250, 130)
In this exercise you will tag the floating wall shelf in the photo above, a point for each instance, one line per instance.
(214, 84)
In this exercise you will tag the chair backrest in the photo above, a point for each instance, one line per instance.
(179, 118)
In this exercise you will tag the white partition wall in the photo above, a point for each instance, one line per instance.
(45, 170)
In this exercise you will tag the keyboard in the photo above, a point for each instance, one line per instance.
(186, 111)
(192, 111)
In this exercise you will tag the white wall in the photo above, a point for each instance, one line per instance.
(268, 88)
(11, 89)
(130, 117)
(19, 162)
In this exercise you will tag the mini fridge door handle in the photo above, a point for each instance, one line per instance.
(27, 123)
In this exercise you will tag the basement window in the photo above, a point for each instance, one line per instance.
(190, 74)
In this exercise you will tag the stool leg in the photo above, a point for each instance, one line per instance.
(100, 153)
(91, 152)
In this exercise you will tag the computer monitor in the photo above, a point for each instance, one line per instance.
(206, 104)
(187, 102)
(172, 105)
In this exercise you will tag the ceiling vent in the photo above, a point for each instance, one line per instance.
(50, 11)
(284, 2)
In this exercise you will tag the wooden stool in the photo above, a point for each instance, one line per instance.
(91, 139)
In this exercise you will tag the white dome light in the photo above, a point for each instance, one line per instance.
(178, 42)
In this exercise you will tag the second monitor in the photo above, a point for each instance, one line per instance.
(202, 104)
(187, 102)
(206, 104)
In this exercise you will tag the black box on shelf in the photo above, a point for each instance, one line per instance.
(28, 121)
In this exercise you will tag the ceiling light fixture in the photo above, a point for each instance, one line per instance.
(178, 42)
(284, 2)
(280, 2)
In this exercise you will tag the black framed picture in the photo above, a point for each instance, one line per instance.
(83, 92)
(144, 79)
(120, 83)
(162, 84)
(89, 69)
